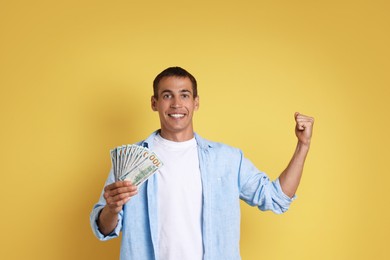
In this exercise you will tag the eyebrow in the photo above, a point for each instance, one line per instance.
(180, 91)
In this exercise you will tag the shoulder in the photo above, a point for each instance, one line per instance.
(148, 142)
(216, 146)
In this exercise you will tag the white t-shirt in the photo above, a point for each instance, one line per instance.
(179, 200)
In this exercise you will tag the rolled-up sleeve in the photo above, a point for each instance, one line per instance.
(256, 189)
(97, 208)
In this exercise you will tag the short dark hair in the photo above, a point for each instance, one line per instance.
(175, 72)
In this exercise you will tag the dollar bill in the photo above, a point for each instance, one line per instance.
(134, 163)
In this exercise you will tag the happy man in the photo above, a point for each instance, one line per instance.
(189, 210)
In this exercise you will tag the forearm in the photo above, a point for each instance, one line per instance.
(107, 221)
(289, 179)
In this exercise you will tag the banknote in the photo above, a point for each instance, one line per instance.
(134, 163)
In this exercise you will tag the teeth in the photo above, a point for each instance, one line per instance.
(176, 115)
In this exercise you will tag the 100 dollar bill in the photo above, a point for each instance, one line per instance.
(147, 164)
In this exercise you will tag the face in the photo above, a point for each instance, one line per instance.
(175, 105)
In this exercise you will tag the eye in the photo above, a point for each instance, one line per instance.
(167, 96)
(185, 95)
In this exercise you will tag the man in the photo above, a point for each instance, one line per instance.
(190, 208)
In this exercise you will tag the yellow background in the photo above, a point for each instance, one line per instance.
(76, 81)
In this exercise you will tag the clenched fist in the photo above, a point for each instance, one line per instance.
(303, 128)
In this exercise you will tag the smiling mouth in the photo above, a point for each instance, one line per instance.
(176, 115)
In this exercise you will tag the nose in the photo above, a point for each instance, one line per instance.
(176, 102)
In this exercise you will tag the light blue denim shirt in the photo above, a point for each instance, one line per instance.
(226, 176)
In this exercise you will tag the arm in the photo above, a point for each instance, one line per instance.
(291, 176)
(116, 195)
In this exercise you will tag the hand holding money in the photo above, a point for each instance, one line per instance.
(117, 194)
(132, 165)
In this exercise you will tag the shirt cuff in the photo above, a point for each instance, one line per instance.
(284, 201)
(95, 228)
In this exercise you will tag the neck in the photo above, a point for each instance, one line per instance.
(177, 137)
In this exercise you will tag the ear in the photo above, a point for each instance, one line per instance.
(153, 103)
(196, 103)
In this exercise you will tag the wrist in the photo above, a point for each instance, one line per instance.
(111, 211)
(303, 146)
(107, 221)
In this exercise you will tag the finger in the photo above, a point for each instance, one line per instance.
(118, 204)
(305, 127)
(299, 116)
(120, 198)
(303, 121)
(116, 185)
(301, 127)
(304, 124)
(121, 190)
(296, 114)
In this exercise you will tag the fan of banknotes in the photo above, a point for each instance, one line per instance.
(134, 163)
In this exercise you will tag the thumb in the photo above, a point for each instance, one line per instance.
(296, 114)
